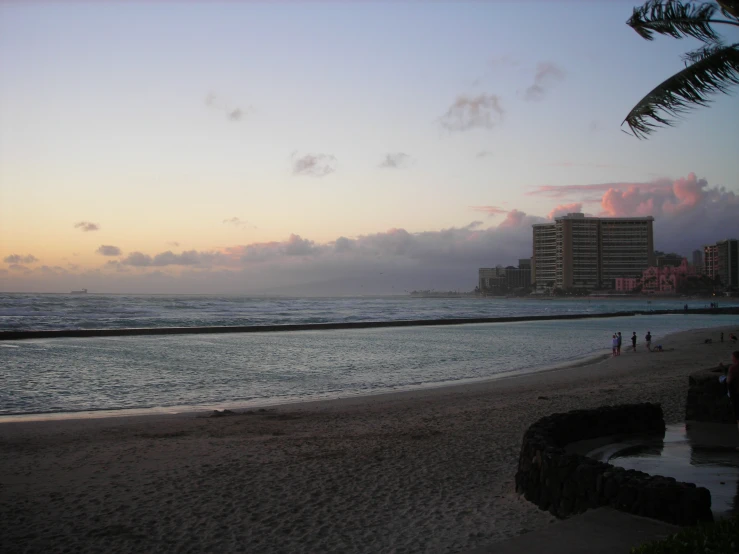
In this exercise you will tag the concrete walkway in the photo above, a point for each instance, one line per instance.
(601, 531)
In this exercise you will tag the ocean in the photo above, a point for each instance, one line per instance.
(216, 371)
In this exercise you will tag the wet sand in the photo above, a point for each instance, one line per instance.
(420, 471)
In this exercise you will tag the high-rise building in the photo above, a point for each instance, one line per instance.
(591, 252)
(710, 260)
(495, 280)
(728, 263)
(698, 258)
(544, 259)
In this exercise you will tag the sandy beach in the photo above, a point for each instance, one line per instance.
(419, 471)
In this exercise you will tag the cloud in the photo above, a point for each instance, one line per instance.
(564, 209)
(492, 211)
(189, 257)
(297, 246)
(398, 259)
(484, 154)
(313, 165)
(233, 113)
(18, 259)
(87, 226)
(514, 219)
(108, 250)
(686, 203)
(546, 77)
(503, 61)
(574, 164)
(237, 222)
(480, 112)
(577, 191)
(117, 266)
(396, 161)
(137, 259)
(51, 271)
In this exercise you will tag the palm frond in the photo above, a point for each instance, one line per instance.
(730, 8)
(701, 53)
(715, 70)
(674, 18)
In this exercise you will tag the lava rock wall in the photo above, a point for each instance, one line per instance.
(567, 484)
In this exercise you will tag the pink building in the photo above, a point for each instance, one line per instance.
(627, 284)
(666, 279)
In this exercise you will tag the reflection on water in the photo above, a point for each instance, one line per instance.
(700, 453)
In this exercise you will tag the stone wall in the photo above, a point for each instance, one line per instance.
(566, 484)
(707, 400)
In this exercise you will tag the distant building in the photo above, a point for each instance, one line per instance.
(710, 260)
(590, 252)
(527, 263)
(721, 260)
(728, 263)
(627, 284)
(665, 279)
(672, 260)
(544, 259)
(499, 280)
(698, 258)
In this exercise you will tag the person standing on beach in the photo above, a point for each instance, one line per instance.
(648, 339)
(619, 344)
(633, 341)
(614, 344)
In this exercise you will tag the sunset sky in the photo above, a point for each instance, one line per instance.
(337, 147)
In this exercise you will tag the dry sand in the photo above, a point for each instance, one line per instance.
(422, 471)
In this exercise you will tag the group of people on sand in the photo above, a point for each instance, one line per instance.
(616, 341)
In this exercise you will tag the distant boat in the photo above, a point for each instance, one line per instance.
(83, 291)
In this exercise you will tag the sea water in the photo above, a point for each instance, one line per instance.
(104, 311)
(70, 375)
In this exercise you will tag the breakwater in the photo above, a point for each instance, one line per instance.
(199, 330)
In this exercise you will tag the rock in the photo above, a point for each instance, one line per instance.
(565, 484)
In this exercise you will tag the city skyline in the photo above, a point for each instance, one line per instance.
(354, 147)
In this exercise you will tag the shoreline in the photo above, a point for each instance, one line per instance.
(426, 470)
(410, 391)
(200, 410)
(227, 329)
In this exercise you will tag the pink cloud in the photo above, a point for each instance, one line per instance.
(564, 209)
(686, 203)
(578, 191)
(492, 211)
(575, 164)
(661, 198)
(515, 218)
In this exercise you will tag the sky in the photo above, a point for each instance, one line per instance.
(340, 147)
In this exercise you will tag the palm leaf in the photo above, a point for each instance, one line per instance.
(715, 70)
(730, 8)
(701, 53)
(674, 18)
